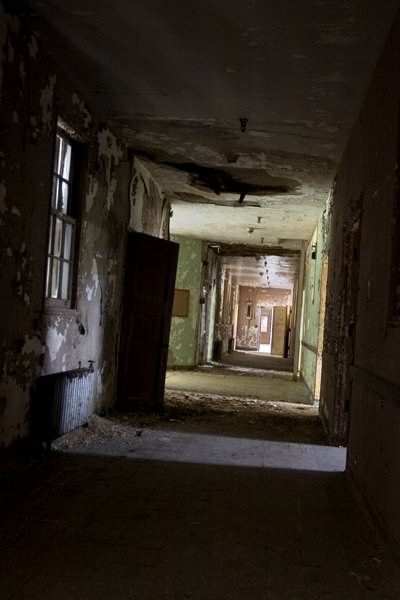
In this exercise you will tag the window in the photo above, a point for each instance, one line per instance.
(249, 310)
(63, 223)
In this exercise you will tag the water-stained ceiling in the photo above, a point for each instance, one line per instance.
(276, 272)
(240, 108)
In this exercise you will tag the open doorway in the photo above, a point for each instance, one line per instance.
(254, 316)
(262, 320)
(265, 329)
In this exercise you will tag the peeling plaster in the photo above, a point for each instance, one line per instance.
(112, 279)
(32, 345)
(54, 341)
(7, 23)
(92, 290)
(23, 275)
(111, 151)
(110, 193)
(87, 117)
(46, 103)
(33, 47)
(136, 200)
(149, 213)
(93, 188)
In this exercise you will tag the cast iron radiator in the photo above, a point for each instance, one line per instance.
(62, 402)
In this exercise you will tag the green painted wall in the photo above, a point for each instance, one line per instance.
(312, 304)
(184, 330)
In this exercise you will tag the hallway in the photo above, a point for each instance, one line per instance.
(183, 184)
(172, 515)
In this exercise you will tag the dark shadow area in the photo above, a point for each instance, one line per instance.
(94, 527)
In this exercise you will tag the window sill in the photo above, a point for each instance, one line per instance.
(59, 310)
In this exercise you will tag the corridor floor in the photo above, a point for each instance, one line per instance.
(257, 360)
(122, 512)
(240, 381)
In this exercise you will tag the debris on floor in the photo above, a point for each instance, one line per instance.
(204, 413)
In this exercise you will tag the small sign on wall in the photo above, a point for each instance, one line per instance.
(180, 307)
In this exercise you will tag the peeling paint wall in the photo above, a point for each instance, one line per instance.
(361, 373)
(26, 116)
(313, 274)
(36, 339)
(149, 210)
(184, 330)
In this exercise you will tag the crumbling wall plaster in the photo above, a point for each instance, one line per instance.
(37, 339)
(27, 109)
(149, 210)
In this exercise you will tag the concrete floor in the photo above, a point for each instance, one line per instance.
(250, 383)
(257, 360)
(127, 513)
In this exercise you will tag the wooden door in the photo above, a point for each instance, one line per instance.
(146, 320)
(279, 325)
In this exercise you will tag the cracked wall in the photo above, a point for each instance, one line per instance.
(37, 339)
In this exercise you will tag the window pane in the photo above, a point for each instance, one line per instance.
(50, 235)
(67, 241)
(57, 237)
(65, 281)
(57, 152)
(48, 276)
(65, 163)
(54, 193)
(55, 278)
(63, 197)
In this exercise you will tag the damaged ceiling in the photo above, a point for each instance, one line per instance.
(275, 272)
(240, 109)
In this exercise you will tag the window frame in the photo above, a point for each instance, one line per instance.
(394, 284)
(70, 217)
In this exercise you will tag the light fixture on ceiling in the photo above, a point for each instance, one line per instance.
(250, 230)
